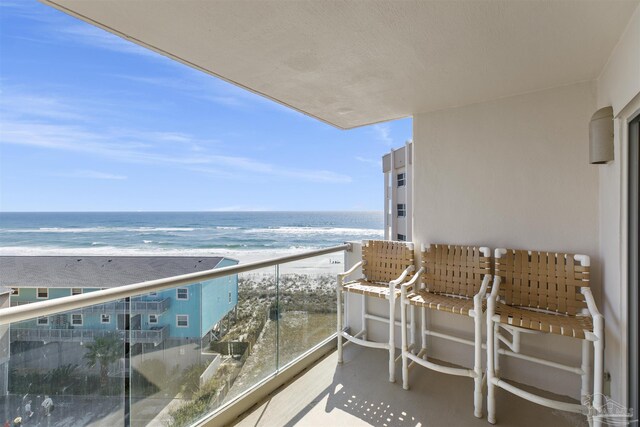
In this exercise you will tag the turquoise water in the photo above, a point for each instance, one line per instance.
(181, 232)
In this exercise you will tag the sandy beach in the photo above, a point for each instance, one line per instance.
(323, 264)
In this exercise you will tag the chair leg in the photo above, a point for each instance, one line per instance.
(496, 346)
(405, 349)
(477, 366)
(598, 366)
(586, 368)
(339, 320)
(392, 338)
(413, 328)
(423, 326)
(491, 354)
(364, 317)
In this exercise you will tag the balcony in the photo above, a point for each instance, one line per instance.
(279, 332)
(156, 306)
(286, 316)
(356, 394)
(147, 306)
(154, 336)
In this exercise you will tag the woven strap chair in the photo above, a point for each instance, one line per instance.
(455, 280)
(385, 266)
(543, 292)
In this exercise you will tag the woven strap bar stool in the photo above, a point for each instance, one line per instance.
(543, 293)
(385, 266)
(455, 280)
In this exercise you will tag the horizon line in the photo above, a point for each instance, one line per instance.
(206, 211)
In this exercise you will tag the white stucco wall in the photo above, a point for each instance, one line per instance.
(618, 86)
(514, 172)
(511, 173)
(619, 81)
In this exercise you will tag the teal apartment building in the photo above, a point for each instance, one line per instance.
(191, 313)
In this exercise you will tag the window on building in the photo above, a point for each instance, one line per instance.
(42, 293)
(105, 318)
(76, 291)
(182, 320)
(401, 179)
(402, 237)
(153, 294)
(43, 321)
(402, 210)
(153, 319)
(230, 297)
(76, 319)
(182, 293)
(15, 291)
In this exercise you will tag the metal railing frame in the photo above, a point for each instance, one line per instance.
(46, 308)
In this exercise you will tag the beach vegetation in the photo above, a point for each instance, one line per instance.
(103, 351)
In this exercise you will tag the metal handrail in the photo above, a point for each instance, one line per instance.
(74, 302)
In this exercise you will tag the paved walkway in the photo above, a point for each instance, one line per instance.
(69, 411)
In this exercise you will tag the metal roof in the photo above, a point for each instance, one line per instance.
(95, 271)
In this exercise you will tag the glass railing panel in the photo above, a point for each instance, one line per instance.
(251, 337)
(214, 341)
(64, 369)
(176, 355)
(166, 353)
(307, 301)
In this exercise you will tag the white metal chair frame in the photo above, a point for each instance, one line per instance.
(361, 337)
(421, 358)
(494, 350)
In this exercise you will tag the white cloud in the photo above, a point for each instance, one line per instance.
(26, 9)
(382, 132)
(199, 85)
(373, 162)
(38, 106)
(89, 174)
(121, 146)
(96, 37)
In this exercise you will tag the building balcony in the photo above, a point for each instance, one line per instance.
(155, 306)
(154, 336)
(271, 341)
(147, 306)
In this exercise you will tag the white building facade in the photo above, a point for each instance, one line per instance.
(397, 168)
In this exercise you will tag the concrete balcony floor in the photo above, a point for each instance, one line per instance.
(357, 393)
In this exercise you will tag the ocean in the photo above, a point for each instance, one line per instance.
(182, 233)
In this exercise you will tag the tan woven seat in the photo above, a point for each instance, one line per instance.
(553, 323)
(449, 304)
(385, 266)
(362, 287)
(543, 292)
(455, 280)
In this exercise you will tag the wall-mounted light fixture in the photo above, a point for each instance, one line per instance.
(601, 136)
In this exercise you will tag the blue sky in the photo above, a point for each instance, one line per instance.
(90, 122)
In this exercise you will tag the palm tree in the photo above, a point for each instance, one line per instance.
(104, 351)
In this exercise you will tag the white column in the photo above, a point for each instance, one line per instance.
(408, 179)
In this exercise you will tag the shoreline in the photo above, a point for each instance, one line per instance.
(322, 264)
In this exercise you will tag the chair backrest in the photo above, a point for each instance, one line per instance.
(455, 270)
(542, 280)
(385, 260)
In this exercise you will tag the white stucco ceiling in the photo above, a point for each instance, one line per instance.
(352, 63)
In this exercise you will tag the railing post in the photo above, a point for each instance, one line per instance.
(277, 278)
